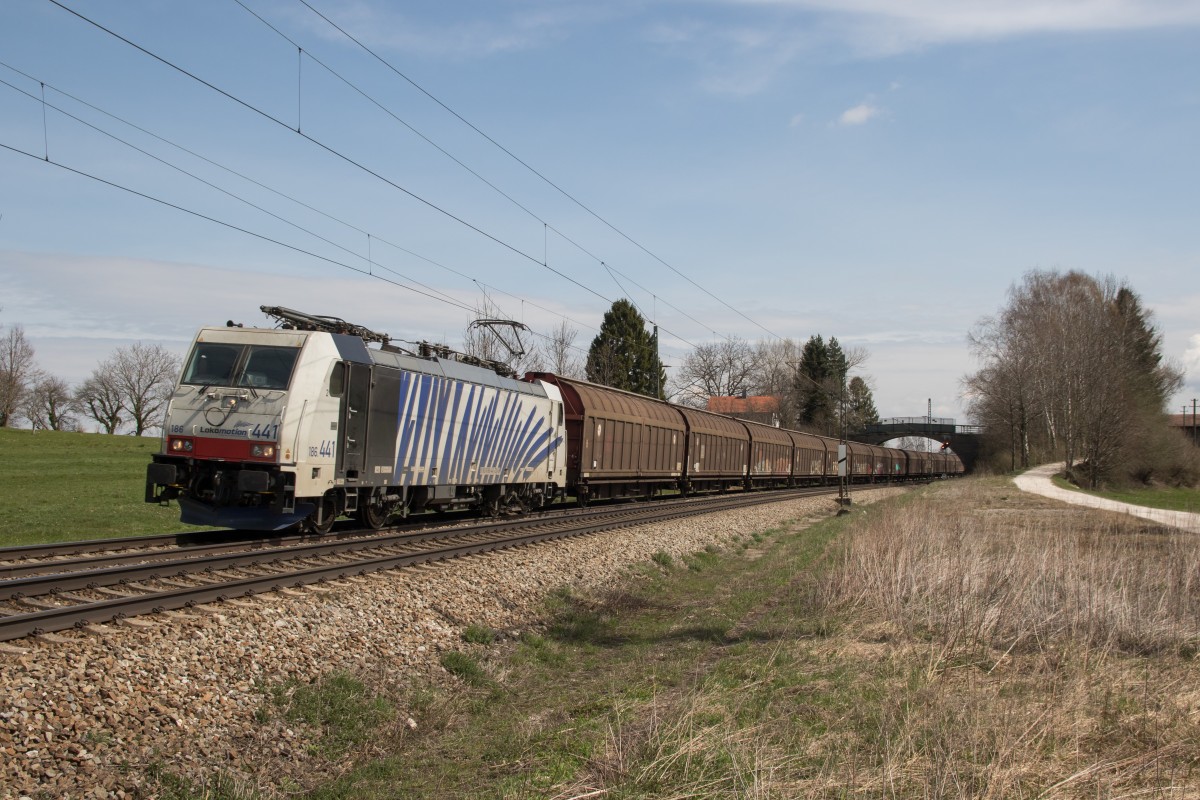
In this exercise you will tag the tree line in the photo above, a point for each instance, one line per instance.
(1073, 370)
(129, 388)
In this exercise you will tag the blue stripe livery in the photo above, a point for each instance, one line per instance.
(452, 432)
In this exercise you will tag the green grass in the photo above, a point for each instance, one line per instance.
(339, 706)
(66, 486)
(464, 667)
(221, 786)
(478, 634)
(1168, 498)
(577, 706)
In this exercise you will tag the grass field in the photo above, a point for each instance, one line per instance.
(965, 641)
(66, 486)
(1166, 497)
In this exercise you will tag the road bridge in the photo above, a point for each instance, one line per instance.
(964, 440)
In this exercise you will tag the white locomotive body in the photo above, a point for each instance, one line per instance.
(270, 428)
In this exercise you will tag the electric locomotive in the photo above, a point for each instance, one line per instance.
(270, 428)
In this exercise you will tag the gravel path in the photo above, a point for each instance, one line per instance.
(87, 713)
(1037, 481)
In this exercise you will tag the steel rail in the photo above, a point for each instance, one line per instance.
(107, 556)
(46, 620)
(25, 580)
(17, 560)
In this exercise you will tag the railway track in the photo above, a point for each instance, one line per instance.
(75, 585)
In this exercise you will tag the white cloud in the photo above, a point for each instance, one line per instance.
(796, 121)
(1191, 356)
(858, 115)
(889, 26)
(408, 30)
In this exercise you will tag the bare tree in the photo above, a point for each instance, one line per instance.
(720, 369)
(145, 376)
(1071, 369)
(775, 364)
(99, 397)
(49, 404)
(558, 354)
(17, 372)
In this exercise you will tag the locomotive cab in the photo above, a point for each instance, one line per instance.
(225, 455)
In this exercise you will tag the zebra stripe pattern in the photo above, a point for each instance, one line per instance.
(451, 432)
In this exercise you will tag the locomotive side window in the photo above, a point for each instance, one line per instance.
(337, 380)
(212, 364)
(268, 367)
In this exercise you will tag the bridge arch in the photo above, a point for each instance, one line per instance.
(964, 440)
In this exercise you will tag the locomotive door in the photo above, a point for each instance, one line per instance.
(353, 423)
(552, 445)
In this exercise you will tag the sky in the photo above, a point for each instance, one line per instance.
(881, 172)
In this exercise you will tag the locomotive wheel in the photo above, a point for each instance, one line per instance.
(328, 513)
(372, 513)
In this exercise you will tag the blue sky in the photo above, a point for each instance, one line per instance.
(843, 168)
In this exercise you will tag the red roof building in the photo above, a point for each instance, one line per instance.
(763, 408)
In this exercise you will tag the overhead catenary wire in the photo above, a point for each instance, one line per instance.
(482, 285)
(327, 148)
(333, 152)
(215, 187)
(475, 173)
(531, 169)
(251, 107)
(239, 229)
(223, 223)
(431, 293)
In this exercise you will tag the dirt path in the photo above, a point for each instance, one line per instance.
(1037, 481)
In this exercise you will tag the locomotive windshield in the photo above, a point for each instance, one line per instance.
(247, 366)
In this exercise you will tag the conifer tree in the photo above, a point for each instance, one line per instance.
(624, 355)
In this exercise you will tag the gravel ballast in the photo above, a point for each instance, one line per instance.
(87, 713)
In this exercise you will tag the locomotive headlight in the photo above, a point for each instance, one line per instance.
(262, 451)
(181, 445)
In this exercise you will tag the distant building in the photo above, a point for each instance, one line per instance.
(763, 408)
(1188, 423)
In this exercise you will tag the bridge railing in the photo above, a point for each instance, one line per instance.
(921, 426)
(913, 421)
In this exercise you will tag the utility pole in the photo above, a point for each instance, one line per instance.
(657, 367)
(844, 448)
(1193, 419)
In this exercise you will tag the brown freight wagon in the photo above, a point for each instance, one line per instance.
(895, 465)
(811, 458)
(718, 449)
(887, 463)
(770, 455)
(919, 463)
(619, 444)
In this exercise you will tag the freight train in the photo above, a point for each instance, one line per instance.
(268, 428)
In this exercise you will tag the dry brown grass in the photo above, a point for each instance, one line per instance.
(1017, 651)
(982, 582)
